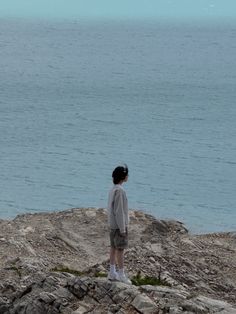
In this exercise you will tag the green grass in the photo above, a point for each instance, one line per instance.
(100, 274)
(67, 270)
(17, 270)
(63, 269)
(139, 280)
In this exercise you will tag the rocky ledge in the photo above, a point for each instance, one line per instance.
(56, 263)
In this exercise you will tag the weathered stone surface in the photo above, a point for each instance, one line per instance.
(82, 309)
(144, 304)
(49, 263)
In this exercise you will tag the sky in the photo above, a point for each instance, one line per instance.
(119, 9)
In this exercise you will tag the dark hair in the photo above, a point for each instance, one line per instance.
(120, 173)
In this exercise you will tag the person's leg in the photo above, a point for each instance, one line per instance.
(112, 260)
(120, 261)
(112, 272)
(120, 258)
(112, 256)
(119, 254)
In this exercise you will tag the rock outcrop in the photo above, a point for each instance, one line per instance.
(55, 263)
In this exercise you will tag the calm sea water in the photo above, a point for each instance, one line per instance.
(76, 99)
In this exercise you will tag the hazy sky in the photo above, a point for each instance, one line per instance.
(119, 8)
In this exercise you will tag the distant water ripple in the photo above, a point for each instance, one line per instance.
(76, 99)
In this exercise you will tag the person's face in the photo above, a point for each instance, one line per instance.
(126, 178)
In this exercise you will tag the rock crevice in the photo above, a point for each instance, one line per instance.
(53, 263)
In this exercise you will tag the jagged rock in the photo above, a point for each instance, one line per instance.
(215, 305)
(193, 307)
(80, 288)
(162, 292)
(175, 310)
(144, 304)
(49, 263)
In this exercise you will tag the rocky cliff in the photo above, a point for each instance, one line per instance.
(56, 263)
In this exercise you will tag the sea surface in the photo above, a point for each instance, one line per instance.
(78, 98)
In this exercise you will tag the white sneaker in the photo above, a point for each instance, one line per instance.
(113, 276)
(124, 279)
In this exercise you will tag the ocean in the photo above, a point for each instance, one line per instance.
(78, 98)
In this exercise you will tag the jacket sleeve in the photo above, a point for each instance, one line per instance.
(119, 210)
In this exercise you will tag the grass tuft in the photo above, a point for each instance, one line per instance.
(139, 280)
(67, 270)
(100, 274)
(17, 270)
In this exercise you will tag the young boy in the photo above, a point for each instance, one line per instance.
(118, 218)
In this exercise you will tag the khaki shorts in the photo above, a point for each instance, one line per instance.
(117, 240)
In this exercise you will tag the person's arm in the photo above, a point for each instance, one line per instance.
(119, 211)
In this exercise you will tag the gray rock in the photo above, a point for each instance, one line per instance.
(48, 263)
(195, 308)
(175, 310)
(144, 304)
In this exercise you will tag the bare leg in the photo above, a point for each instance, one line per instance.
(120, 258)
(112, 256)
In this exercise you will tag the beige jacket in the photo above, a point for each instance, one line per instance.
(118, 215)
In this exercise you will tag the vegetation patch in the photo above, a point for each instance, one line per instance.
(139, 280)
(17, 270)
(100, 274)
(63, 269)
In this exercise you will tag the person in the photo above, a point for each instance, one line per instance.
(118, 219)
